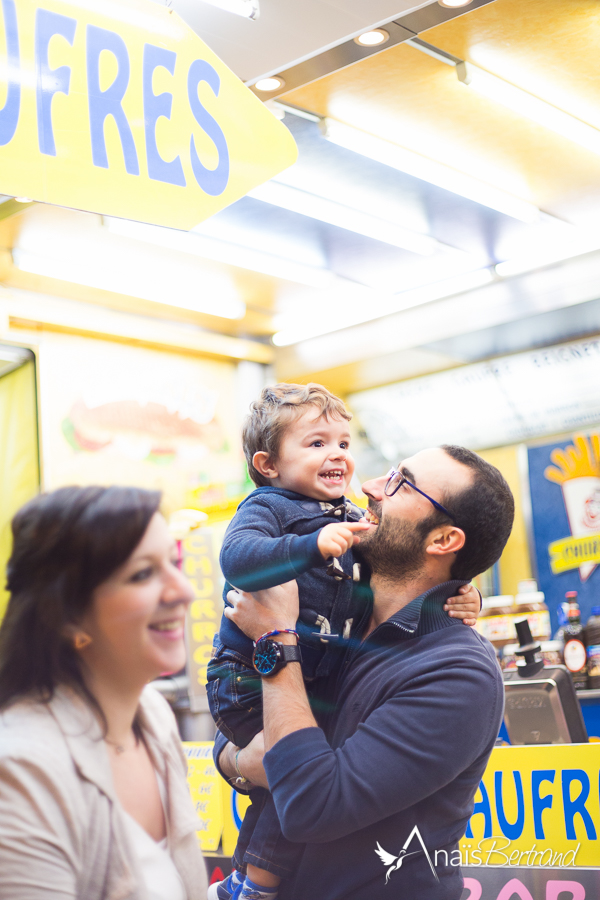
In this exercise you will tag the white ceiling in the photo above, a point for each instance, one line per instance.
(287, 32)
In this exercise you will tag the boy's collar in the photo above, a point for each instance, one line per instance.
(292, 495)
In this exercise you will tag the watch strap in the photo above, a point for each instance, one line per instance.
(290, 653)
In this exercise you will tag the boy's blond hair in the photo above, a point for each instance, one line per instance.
(279, 406)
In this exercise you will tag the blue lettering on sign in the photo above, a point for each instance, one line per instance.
(483, 807)
(108, 102)
(9, 114)
(212, 181)
(155, 106)
(237, 817)
(577, 806)
(511, 830)
(540, 803)
(50, 81)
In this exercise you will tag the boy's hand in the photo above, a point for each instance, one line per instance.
(466, 606)
(337, 538)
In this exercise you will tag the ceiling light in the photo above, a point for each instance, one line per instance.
(341, 216)
(454, 4)
(247, 8)
(268, 85)
(223, 251)
(372, 38)
(180, 286)
(428, 170)
(547, 256)
(527, 105)
(23, 200)
(371, 309)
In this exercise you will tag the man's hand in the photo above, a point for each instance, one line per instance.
(337, 538)
(466, 606)
(250, 762)
(273, 609)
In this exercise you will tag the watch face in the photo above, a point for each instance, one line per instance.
(265, 657)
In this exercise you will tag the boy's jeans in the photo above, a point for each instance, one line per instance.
(235, 700)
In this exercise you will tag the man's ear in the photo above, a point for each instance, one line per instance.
(444, 540)
(263, 463)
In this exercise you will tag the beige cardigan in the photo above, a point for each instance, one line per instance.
(62, 835)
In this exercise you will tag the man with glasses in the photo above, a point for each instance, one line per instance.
(385, 791)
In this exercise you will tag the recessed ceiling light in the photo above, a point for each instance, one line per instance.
(268, 85)
(454, 4)
(372, 38)
(23, 200)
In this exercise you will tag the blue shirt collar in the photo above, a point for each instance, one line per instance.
(425, 613)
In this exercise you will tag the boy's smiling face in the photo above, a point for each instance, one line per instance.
(314, 457)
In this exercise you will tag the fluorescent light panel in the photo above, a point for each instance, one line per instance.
(527, 105)
(341, 216)
(185, 290)
(324, 324)
(436, 173)
(546, 257)
(222, 252)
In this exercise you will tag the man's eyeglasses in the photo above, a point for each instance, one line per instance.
(396, 479)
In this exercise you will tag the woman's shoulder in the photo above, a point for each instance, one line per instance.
(29, 734)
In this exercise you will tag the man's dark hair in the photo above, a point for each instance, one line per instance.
(484, 511)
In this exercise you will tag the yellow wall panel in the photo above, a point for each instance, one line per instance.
(515, 562)
(19, 464)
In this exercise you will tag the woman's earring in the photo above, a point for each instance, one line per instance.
(81, 640)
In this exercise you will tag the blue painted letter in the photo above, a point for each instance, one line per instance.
(212, 181)
(108, 102)
(540, 803)
(510, 830)
(50, 81)
(572, 807)
(483, 806)
(9, 114)
(155, 106)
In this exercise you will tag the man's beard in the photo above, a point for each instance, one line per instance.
(396, 549)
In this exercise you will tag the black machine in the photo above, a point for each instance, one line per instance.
(541, 704)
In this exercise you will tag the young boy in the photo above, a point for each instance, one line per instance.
(298, 525)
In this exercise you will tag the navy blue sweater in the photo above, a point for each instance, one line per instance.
(418, 710)
(273, 539)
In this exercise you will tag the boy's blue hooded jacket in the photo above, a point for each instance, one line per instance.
(273, 539)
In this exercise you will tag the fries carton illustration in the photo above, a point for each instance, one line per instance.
(577, 470)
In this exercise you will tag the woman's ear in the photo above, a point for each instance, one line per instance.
(263, 463)
(76, 636)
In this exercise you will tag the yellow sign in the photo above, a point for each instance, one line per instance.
(201, 567)
(536, 807)
(117, 107)
(219, 808)
(572, 552)
(206, 787)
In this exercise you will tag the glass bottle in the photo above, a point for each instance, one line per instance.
(575, 654)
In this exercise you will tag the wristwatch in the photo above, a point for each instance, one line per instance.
(271, 656)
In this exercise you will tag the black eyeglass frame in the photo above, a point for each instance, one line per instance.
(403, 480)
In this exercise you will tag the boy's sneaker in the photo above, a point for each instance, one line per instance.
(224, 890)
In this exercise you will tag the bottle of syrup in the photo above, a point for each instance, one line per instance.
(575, 654)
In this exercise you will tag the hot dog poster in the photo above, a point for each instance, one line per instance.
(117, 414)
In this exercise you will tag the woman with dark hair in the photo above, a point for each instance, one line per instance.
(94, 802)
